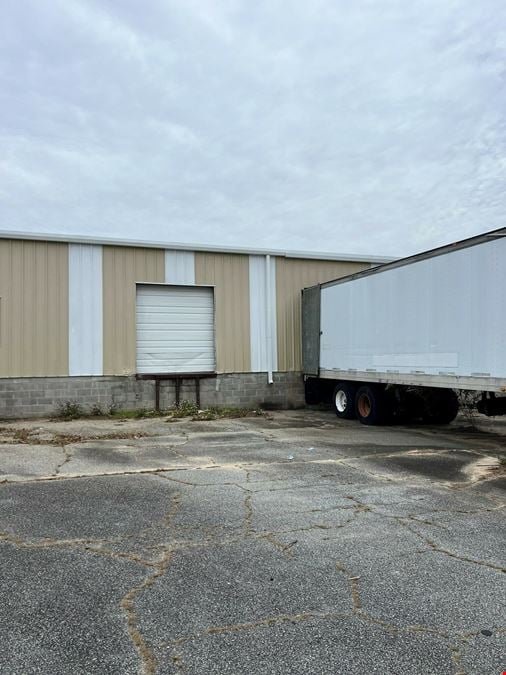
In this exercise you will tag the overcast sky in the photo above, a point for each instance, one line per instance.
(350, 126)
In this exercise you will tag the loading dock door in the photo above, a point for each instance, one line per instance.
(175, 329)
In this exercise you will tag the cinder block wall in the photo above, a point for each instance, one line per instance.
(40, 396)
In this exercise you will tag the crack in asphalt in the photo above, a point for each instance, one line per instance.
(92, 546)
(29, 437)
(149, 662)
(248, 515)
(451, 554)
(247, 466)
(249, 531)
(177, 661)
(77, 476)
(266, 622)
(214, 537)
(357, 611)
(393, 629)
(67, 456)
(357, 608)
(456, 654)
(285, 549)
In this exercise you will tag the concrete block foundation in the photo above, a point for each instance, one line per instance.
(41, 396)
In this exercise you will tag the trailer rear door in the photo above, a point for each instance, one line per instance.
(311, 330)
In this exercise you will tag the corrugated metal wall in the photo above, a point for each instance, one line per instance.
(35, 327)
(292, 275)
(33, 308)
(229, 273)
(123, 267)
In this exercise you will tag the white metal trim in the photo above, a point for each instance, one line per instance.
(268, 298)
(257, 316)
(273, 316)
(179, 267)
(263, 333)
(85, 310)
(474, 383)
(418, 257)
(109, 241)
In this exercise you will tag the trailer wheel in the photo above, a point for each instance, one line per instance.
(343, 400)
(442, 407)
(371, 405)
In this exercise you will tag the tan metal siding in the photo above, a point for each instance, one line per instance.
(229, 273)
(122, 268)
(292, 275)
(33, 308)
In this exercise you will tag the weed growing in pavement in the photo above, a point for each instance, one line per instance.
(215, 413)
(148, 412)
(467, 406)
(69, 410)
(184, 409)
(139, 413)
(113, 408)
(189, 409)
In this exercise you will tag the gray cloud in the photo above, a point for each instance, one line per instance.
(369, 127)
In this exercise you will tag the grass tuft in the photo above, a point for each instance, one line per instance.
(69, 410)
(184, 409)
(215, 413)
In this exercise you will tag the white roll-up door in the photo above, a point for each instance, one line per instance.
(175, 329)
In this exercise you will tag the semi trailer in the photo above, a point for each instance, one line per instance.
(400, 340)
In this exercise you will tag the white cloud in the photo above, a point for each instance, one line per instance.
(367, 127)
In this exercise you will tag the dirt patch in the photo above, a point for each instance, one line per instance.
(41, 437)
(485, 467)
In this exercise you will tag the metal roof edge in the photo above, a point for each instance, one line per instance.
(110, 241)
(423, 255)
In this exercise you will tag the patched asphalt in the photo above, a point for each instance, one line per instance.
(294, 544)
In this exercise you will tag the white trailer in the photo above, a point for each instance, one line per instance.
(400, 338)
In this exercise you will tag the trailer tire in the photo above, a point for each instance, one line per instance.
(372, 405)
(442, 407)
(343, 400)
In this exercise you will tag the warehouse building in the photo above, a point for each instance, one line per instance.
(104, 322)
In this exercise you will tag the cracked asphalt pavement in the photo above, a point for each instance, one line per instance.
(295, 544)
